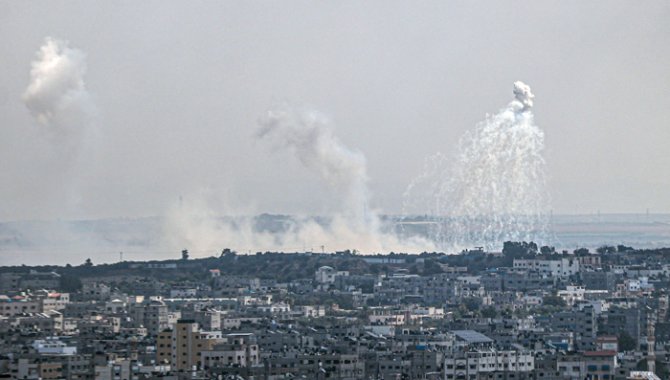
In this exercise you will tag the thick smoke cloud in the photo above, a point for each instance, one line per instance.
(57, 95)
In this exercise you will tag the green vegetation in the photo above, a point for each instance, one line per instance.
(626, 342)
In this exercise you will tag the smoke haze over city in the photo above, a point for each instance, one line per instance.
(201, 116)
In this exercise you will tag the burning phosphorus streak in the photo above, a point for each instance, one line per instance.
(495, 189)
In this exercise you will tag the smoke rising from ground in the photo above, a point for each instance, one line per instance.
(194, 225)
(309, 137)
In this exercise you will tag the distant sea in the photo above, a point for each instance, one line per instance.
(110, 240)
(592, 231)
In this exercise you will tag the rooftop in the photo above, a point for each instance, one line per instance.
(472, 336)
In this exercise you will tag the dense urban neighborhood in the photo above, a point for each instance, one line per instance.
(525, 312)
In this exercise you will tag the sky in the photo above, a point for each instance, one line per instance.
(175, 91)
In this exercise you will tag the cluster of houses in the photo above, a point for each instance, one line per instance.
(599, 316)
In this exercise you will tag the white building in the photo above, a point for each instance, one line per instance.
(276, 308)
(53, 346)
(326, 275)
(562, 267)
(55, 301)
(311, 311)
(469, 364)
(572, 294)
(183, 293)
(599, 306)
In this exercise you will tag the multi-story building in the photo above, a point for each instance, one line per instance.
(620, 320)
(10, 307)
(600, 280)
(240, 350)
(583, 323)
(182, 346)
(152, 314)
(470, 364)
(560, 267)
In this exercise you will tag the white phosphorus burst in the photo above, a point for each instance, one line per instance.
(494, 190)
(57, 95)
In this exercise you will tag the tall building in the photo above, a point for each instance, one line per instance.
(152, 314)
(583, 323)
(182, 346)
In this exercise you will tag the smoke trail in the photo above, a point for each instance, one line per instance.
(495, 190)
(308, 136)
(57, 95)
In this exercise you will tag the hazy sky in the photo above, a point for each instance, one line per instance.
(179, 88)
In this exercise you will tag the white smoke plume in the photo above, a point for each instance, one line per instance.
(194, 225)
(308, 136)
(523, 95)
(57, 98)
(494, 189)
(57, 95)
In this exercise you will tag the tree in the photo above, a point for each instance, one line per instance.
(431, 266)
(88, 263)
(623, 248)
(519, 250)
(546, 250)
(626, 342)
(489, 312)
(472, 303)
(227, 252)
(69, 283)
(184, 254)
(606, 249)
(581, 252)
(553, 301)
(661, 368)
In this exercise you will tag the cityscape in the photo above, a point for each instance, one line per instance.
(525, 312)
(341, 190)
